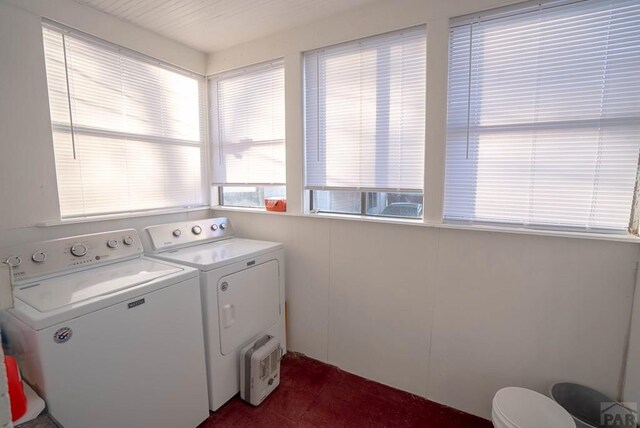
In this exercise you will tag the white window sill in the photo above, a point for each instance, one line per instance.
(420, 222)
(396, 220)
(121, 216)
(541, 232)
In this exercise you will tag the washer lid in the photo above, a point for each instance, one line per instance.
(213, 255)
(54, 293)
(524, 408)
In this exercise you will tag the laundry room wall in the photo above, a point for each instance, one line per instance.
(449, 314)
(453, 315)
(28, 194)
(446, 313)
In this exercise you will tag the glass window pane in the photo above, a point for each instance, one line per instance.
(336, 201)
(250, 196)
(394, 204)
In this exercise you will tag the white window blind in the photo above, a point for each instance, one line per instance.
(127, 130)
(365, 113)
(247, 126)
(544, 115)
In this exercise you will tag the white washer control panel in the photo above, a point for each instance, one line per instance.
(76, 252)
(174, 235)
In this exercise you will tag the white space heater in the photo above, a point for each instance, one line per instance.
(260, 369)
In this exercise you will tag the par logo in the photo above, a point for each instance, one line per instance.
(623, 415)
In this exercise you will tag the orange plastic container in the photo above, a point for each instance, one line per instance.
(276, 204)
(16, 389)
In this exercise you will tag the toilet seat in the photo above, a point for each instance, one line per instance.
(523, 408)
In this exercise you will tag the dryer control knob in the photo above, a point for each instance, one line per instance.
(223, 226)
(39, 256)
(128, 240)
(177, 233)
(197, 230)
(79, 249)
(214, 227)
(112, 243)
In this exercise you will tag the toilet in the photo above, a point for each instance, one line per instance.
(523, 408)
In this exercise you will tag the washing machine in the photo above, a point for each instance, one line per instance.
(108, 337)
(242, 286)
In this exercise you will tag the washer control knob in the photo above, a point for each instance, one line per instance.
(112, 243)
(177, 233)
(223, 226)
(79, 249)
(197, 230)
(39, 256)
(214, 227)
(128, 240)
(14, 261)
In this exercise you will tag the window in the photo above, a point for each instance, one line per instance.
(248, 134)
(127, 129)
(378, 204)
(365, 125)
(238, 196)
(544, 115)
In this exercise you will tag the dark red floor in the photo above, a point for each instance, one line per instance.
(314, 394)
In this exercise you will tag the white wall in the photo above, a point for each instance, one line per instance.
(452, 315)
(28, 193)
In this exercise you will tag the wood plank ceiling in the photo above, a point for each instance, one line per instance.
(212, 25)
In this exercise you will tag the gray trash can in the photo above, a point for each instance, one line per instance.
(592, 409)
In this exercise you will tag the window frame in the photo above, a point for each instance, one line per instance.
(220, 196)
(364, 194)
(364, 204)
(202, 143)
(506, 12)
(307, 207)
(213, 126)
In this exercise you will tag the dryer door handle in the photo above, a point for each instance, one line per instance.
(229, 315)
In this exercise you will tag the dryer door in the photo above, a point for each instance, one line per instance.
(248, 303)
